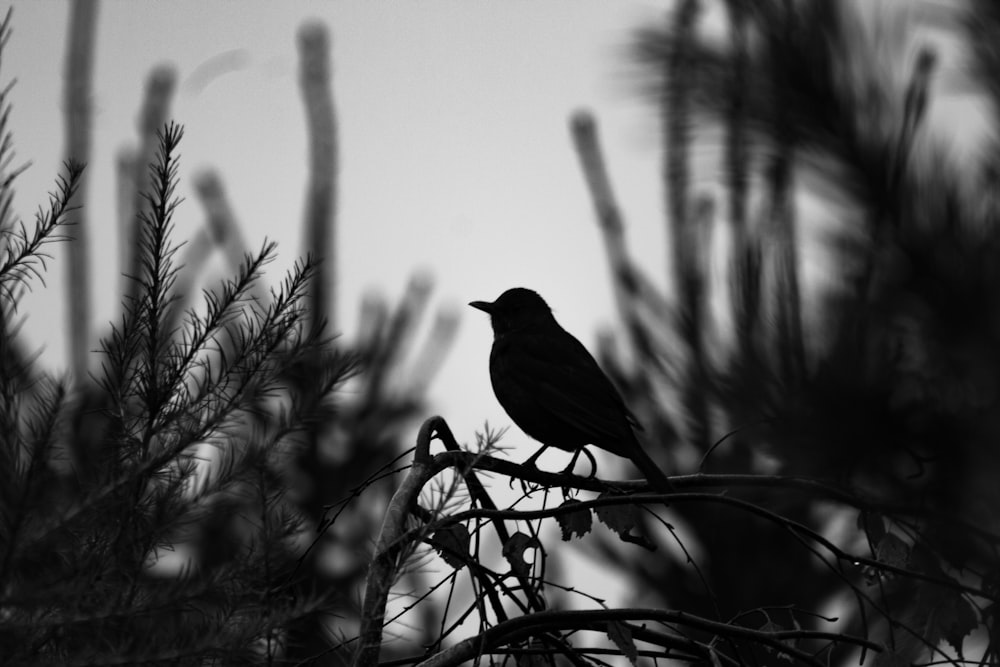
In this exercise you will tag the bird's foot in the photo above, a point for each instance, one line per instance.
(568, 470)
(530, 463)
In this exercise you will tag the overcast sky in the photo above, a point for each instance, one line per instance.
(455, 154)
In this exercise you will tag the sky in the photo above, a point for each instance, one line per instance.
(456, 160)
(455, 157)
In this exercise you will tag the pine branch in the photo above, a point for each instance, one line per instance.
(22, 254)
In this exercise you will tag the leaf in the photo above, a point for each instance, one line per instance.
(893, 551)
(622, 519)
(771, 626)
(949, 617)
(619, 518)
(513, 551)
(452, 542)
(622, 637)
(576, 523)
(873, 524)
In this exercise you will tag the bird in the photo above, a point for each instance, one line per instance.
(554, 390)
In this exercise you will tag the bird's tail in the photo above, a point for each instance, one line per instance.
(647, 466)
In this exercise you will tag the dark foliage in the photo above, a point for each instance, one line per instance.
(834, 457)
(835, 441)
(888, 392)
(180, 444)
(177, 506)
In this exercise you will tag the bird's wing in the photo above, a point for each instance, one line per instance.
(567, 383)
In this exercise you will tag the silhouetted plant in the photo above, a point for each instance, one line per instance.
(177, 506)
(841, 502)
(82, 581)
(834, 456)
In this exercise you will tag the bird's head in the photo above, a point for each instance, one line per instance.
(517, 308)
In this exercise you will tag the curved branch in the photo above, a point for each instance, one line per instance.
(394, 537)
(384, 565)
(524, 627)
(654, 498)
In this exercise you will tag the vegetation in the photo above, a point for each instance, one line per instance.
(833, 446)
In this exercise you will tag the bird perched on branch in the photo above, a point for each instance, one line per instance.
(553, 389)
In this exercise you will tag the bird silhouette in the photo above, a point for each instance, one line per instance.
(552, 387)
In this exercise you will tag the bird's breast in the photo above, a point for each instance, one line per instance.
(516, 380)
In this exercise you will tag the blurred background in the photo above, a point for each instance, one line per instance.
(797, 249)
(456, 162)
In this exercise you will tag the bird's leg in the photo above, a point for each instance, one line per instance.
(530, 463)
(534, 457)
(568, 470)
(590, 457)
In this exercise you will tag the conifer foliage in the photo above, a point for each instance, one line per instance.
(176, 504)
(185, 442)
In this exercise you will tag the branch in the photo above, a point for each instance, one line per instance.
(525, 627)
(77, 95)
(384, 565)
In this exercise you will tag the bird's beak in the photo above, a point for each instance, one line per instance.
(485, 306)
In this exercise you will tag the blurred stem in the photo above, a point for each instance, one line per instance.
(77, 94)
(125, 187)
(791, 348)
(223, 227)
(196, 253)
(77, 109)
(745, 282)
(914, 112)
(321, 200)
(630, 288)
(320, 220)
(676, 121)
(583, 126)
(434, 352)
(736, 135)
(396, 339)
(220, 220)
